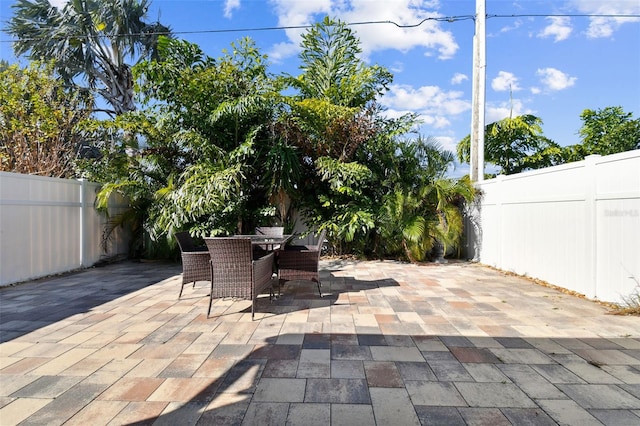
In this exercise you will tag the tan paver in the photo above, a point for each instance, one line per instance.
(388, 343)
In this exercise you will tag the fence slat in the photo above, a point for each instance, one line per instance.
(50, 226)
(576, 226)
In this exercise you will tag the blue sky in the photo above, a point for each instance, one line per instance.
(552, 67)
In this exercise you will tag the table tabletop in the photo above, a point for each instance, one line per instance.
(267, 239)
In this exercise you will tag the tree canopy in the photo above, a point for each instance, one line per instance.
(609, 130)
(90, 39)
(518, 144)
(217, 148)
(40, 122)
(512, 144)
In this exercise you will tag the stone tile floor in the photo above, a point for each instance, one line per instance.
(388, 344)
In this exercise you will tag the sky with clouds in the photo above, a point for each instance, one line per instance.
(551, 59)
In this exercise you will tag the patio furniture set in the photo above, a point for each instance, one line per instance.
(244, 266)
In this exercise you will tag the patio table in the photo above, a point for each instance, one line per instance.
(267, 240)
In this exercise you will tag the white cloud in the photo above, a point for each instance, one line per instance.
(505, 81)
(495, 112)
(436, 107)
(430, 36)
(397, 67)
(599, 26)
(281, 51)
(516, 24)
(554, 80)
(560, 28)
(292, 13)
(535, 90)
(58, 3)
(229, 6)
(458, 78)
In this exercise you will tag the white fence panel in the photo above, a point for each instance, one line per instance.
(49, 226)
(576, 225)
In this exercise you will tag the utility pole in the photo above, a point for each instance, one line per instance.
(478, 96)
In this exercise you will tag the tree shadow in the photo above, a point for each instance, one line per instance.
(391, 367)
(435, 379)
(42, 302)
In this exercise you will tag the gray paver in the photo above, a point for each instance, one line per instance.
(601, 396)
(392, 406)
(309, 415)
(395, 353)
(557, 374)
(266, 413)
(450, 371)
(434, 394)
(485, 373)
(616, 417)
(449, 416)
(390, 343)
(494, 395)
(47, 387)
(528, 417)
(347, 391)
(484, 416)
(590, 373)
(567, 412)
(347, 369)
(530, 382)
(280, 390)
(352, 415)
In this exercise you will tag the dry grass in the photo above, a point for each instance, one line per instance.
(631, 306)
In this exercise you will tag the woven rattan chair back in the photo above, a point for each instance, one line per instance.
(271, 231)
(195, 261)
(301, 262)
(234, 273)
(186, 242)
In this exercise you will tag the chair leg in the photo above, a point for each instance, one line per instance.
(210, 301)
(253, 308)
(181, 288)
(319, 291)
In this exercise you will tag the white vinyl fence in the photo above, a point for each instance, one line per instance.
(49, 226)
(576, 226)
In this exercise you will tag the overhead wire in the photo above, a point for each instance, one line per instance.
(449, 19)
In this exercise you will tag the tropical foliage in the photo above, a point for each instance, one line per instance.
(91, 39)
(217, 148)
(517, 144)
(40, 121)
(513, 145)
(220, 146)
(609, 130)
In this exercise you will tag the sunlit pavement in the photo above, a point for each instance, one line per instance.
(389, 344)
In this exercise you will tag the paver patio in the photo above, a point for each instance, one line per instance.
(389, 344)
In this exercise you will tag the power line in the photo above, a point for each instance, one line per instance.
(277, 28)
(565, 15)
(450, 19)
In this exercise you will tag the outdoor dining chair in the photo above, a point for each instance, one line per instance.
(195, 260)
(234, 273)
(300, 262)
(269, 231)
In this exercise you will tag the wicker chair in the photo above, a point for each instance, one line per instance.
(271, 231)
(234, 273)
(301, 262)
(195, 261)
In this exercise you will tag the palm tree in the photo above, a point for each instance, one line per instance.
(513, 144)
(89, 39)
(425, 210)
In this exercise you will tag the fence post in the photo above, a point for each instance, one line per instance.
(591, 196)
(83, 225)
